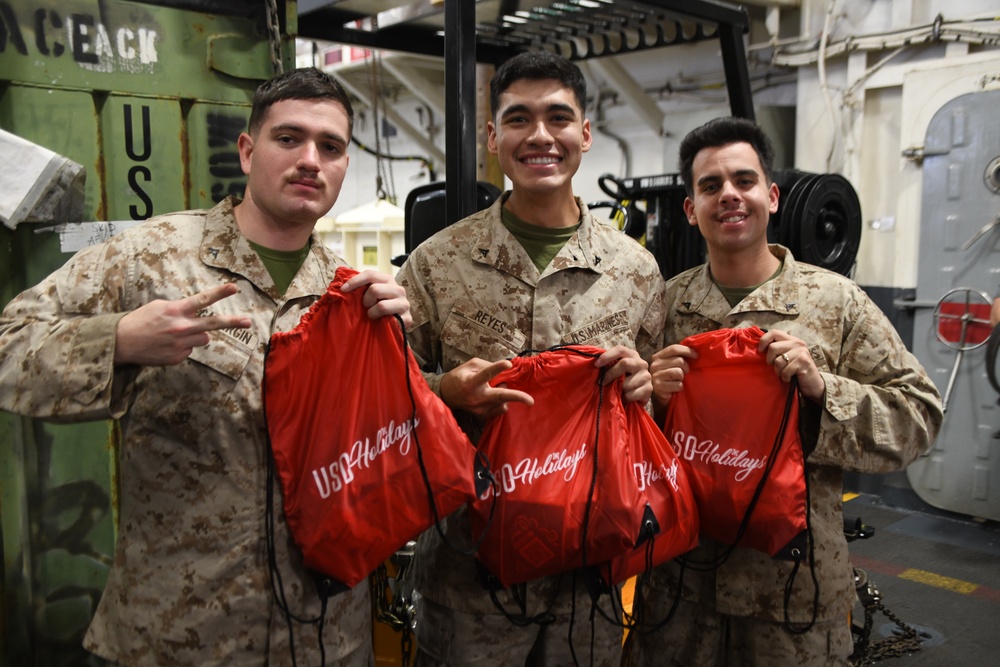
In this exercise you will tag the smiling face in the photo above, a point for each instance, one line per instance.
(539, 136)
(295, 163)
(732, 200)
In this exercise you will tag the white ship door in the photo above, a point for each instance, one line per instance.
(958, 264)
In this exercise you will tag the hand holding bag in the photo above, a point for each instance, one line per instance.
(734, 426)
(367, 455)
(567, 496)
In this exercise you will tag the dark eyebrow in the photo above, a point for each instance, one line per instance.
(713, 178)
(708, 179)
(286, 127)
(290, 127)
(565, 108)
(523, 108)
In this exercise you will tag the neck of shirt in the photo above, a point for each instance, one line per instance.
(282, 265)
(541, 243)
(736, 294)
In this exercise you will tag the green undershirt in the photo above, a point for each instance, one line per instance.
(736, 294)
(281, 264)
(541, 243)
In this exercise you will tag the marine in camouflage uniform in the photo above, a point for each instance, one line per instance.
(866, 405)
(190, 583)
(164, 328)
(534, 271)
(474, 292)
(880, 412)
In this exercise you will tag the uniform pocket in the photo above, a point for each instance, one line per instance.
(867, 352)
(470, 331)
(228, 352)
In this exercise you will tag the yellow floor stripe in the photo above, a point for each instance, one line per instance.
(931, 579)
(628, 594)
(850, 496)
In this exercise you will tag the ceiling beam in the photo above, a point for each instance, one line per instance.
(618, 78)
(433, 152)
(426, 91)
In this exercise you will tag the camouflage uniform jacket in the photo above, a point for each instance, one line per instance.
(190, 583)
(880, 411)
(474, 292)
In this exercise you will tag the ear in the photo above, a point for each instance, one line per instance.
(245, 146)
(689, 211)
(588, 139)
(491, 138)
(772, 195)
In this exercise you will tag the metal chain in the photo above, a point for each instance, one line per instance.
(274, 36)
(894, 647)
(392, 604)
(866, 653)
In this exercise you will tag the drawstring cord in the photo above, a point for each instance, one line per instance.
(799, 629)
(796, 552)
(327, 586)
(718, 560)
(483, 473)
(547, 617)
(277, 584)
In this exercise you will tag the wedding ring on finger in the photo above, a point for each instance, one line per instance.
(784, 355)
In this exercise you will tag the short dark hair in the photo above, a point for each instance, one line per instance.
(537, 65)
(722, 132)
(306, 83)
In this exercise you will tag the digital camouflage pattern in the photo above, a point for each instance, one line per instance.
(191, 583)
(474, 292)
(880, 412)
(489, 640)
(747, 641)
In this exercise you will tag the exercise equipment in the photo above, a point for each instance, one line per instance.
(818, 219)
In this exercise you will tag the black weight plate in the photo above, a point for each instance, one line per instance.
(783, 220)
(786, 180)
(829, 224)
(801, 192)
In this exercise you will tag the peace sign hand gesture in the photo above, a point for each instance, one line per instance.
(163, 333)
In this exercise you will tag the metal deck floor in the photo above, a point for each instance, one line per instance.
(938, 572)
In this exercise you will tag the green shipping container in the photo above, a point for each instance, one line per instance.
(149, 98)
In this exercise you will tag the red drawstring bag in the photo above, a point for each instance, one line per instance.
(342, 394)
(544, 459)
(735, 426)
(672, 506)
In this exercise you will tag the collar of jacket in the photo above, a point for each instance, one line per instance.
(497, 247)
(224, 247)
(698, 294)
